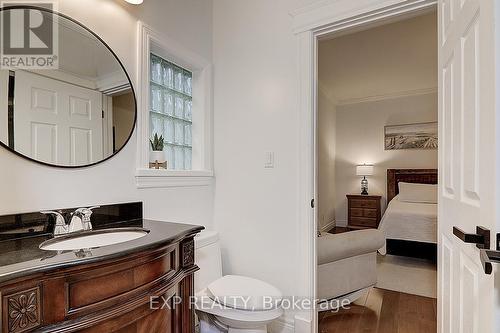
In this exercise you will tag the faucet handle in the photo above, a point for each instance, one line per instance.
(90, 210)
(59, 218)
(86, 213)
(60, 227)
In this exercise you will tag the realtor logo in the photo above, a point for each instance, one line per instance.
(29, 36)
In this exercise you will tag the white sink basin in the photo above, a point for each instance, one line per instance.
(92, 239)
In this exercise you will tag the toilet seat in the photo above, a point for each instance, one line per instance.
(218, 300)
(244, 293)
(205, 304)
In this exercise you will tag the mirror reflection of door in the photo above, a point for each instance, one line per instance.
(63, 121)
(75, 115)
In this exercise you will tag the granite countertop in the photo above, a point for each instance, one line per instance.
(22, 257)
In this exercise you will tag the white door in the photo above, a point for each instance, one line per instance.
(57, 122)
(468, 163)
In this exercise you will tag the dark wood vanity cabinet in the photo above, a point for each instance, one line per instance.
(137, 293)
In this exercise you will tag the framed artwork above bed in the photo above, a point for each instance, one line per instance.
(411, 136)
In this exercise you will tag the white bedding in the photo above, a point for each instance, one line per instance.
(409, 221)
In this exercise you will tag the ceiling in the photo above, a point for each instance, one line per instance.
(82, 54)
(392, 59)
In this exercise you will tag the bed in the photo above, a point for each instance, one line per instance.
(410, 228)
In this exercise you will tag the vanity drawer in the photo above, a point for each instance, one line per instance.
(103, 286)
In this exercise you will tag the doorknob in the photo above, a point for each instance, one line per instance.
(481, 238)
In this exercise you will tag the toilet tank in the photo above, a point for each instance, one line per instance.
(208, 258)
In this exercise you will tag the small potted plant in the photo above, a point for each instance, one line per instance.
(157, 145)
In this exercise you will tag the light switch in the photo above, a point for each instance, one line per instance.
(269, 160)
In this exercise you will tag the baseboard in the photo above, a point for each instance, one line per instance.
(341, 223)
(297, 324)
(329, 226)
(281, 326)
(302, 325)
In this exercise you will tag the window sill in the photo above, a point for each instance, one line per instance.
(152, 178)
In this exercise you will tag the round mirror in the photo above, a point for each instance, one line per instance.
(65, 98)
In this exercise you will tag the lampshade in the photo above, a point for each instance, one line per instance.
(135, 2)
(364, 170)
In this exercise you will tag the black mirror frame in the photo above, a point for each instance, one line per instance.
(119, 62)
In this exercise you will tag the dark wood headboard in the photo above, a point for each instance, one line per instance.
(421, 176)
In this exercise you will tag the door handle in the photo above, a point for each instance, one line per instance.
(481, 238)
(490, 257)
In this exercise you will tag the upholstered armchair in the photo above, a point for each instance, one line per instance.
(347, 263)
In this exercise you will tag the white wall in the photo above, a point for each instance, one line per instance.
(27, 186)
(360, 139)
(256, 98)
(326, 160)
(391, 58)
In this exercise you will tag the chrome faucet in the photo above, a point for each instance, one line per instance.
(61, 228)
(80, 220)
(85, 214)
(76, 223)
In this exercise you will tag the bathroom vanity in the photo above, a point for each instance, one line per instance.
(100, 269)
(141, 285)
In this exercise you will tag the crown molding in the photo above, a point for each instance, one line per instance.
(321, 13)
(392, 95)
(328, 93)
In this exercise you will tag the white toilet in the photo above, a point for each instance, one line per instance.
(232, 304)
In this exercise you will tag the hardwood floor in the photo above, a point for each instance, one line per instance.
(383, 311)
(338, 230)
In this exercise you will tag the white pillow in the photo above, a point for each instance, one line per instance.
(421, 193)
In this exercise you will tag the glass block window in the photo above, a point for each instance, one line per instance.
(171, 111)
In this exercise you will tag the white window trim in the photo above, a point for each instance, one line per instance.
(151, 41)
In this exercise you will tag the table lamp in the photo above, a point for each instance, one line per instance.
(364, 170)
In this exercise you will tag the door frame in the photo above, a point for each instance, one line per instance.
(310, 24)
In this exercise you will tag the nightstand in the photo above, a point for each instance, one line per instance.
(363, 211)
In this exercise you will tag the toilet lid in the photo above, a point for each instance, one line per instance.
(244, 293)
